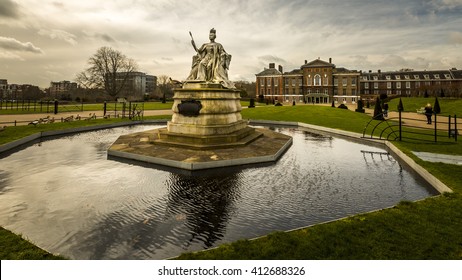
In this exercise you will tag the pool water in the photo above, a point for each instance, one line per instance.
(67, 197)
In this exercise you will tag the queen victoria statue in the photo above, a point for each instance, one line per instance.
(211, 63)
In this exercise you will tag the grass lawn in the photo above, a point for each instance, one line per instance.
(428, 229)
(449, 106)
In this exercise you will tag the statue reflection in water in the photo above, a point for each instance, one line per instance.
(205, 204)
(193, 215)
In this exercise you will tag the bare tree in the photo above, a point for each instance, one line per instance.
(165, 86)
(108, 69)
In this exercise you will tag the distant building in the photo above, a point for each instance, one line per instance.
(408, 82)
(57, 89)
(3, 87)
(137, 85)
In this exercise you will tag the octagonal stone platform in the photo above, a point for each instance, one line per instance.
(145, 147)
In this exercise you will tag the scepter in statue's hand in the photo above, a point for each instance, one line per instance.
(192, 41)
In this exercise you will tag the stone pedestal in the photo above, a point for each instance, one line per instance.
(206, 115)
(206, 131)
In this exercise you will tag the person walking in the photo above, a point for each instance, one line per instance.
(385, 110)
(429, 113)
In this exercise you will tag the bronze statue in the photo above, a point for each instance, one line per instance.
(211, 63)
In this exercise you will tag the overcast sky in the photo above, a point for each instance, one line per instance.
(43, 41)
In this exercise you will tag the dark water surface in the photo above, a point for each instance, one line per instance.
(68, 198)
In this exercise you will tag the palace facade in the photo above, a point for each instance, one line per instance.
(320, 81)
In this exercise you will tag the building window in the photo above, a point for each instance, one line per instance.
(406, 77)
(353, 81)
(388, 77)
(269, 92)
(398, 84)
(300, 82)
(262, 82)
(344, 91)
(317, 80)
(447, 76)
(286, 81)
(326, 91)
(366, 85)
(376, 85)
(408, 84)
(344, 82)
(353, 91)
(276, 82)
(376, 78)
(426, 76)
(326, 80)
(417, 84)
(437, 76)
(268, 80)
(335, 81)
(388, 84)
(293, 82)
(397, 77)
(416, 77)
(309, 80)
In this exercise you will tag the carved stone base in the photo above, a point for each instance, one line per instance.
(205, 142)
(219, 113)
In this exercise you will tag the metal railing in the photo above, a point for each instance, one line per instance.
(398, 128)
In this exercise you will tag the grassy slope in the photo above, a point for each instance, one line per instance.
(13, 247)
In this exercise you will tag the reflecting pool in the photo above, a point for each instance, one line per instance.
(66, 196)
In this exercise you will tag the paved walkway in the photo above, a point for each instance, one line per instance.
(451, 159)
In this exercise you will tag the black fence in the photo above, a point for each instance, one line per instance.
(399, 128)
(39, 106)
(130, 110)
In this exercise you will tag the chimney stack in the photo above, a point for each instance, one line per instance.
(306, 61)
(280, 68)
(380, 71)
(330, 60)
(271, 65)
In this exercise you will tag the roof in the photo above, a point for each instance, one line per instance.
(269, 72)
(294, 72)
(317, 63)
(342, 70)
(415, 75)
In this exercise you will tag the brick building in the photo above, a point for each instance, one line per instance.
(320, 82)
(317, 82)
(408, 82)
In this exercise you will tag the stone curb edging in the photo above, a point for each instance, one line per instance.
(432, 180)
(36, 136)
(422, 172)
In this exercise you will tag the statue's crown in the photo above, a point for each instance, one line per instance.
(213, 30)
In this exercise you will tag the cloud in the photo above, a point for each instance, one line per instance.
(8, 43)
(59, 34)
(455, 38)
(101, 36)
(9, 9)
(10, 56)
(272, 58)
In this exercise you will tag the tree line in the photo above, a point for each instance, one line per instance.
(109, 71)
